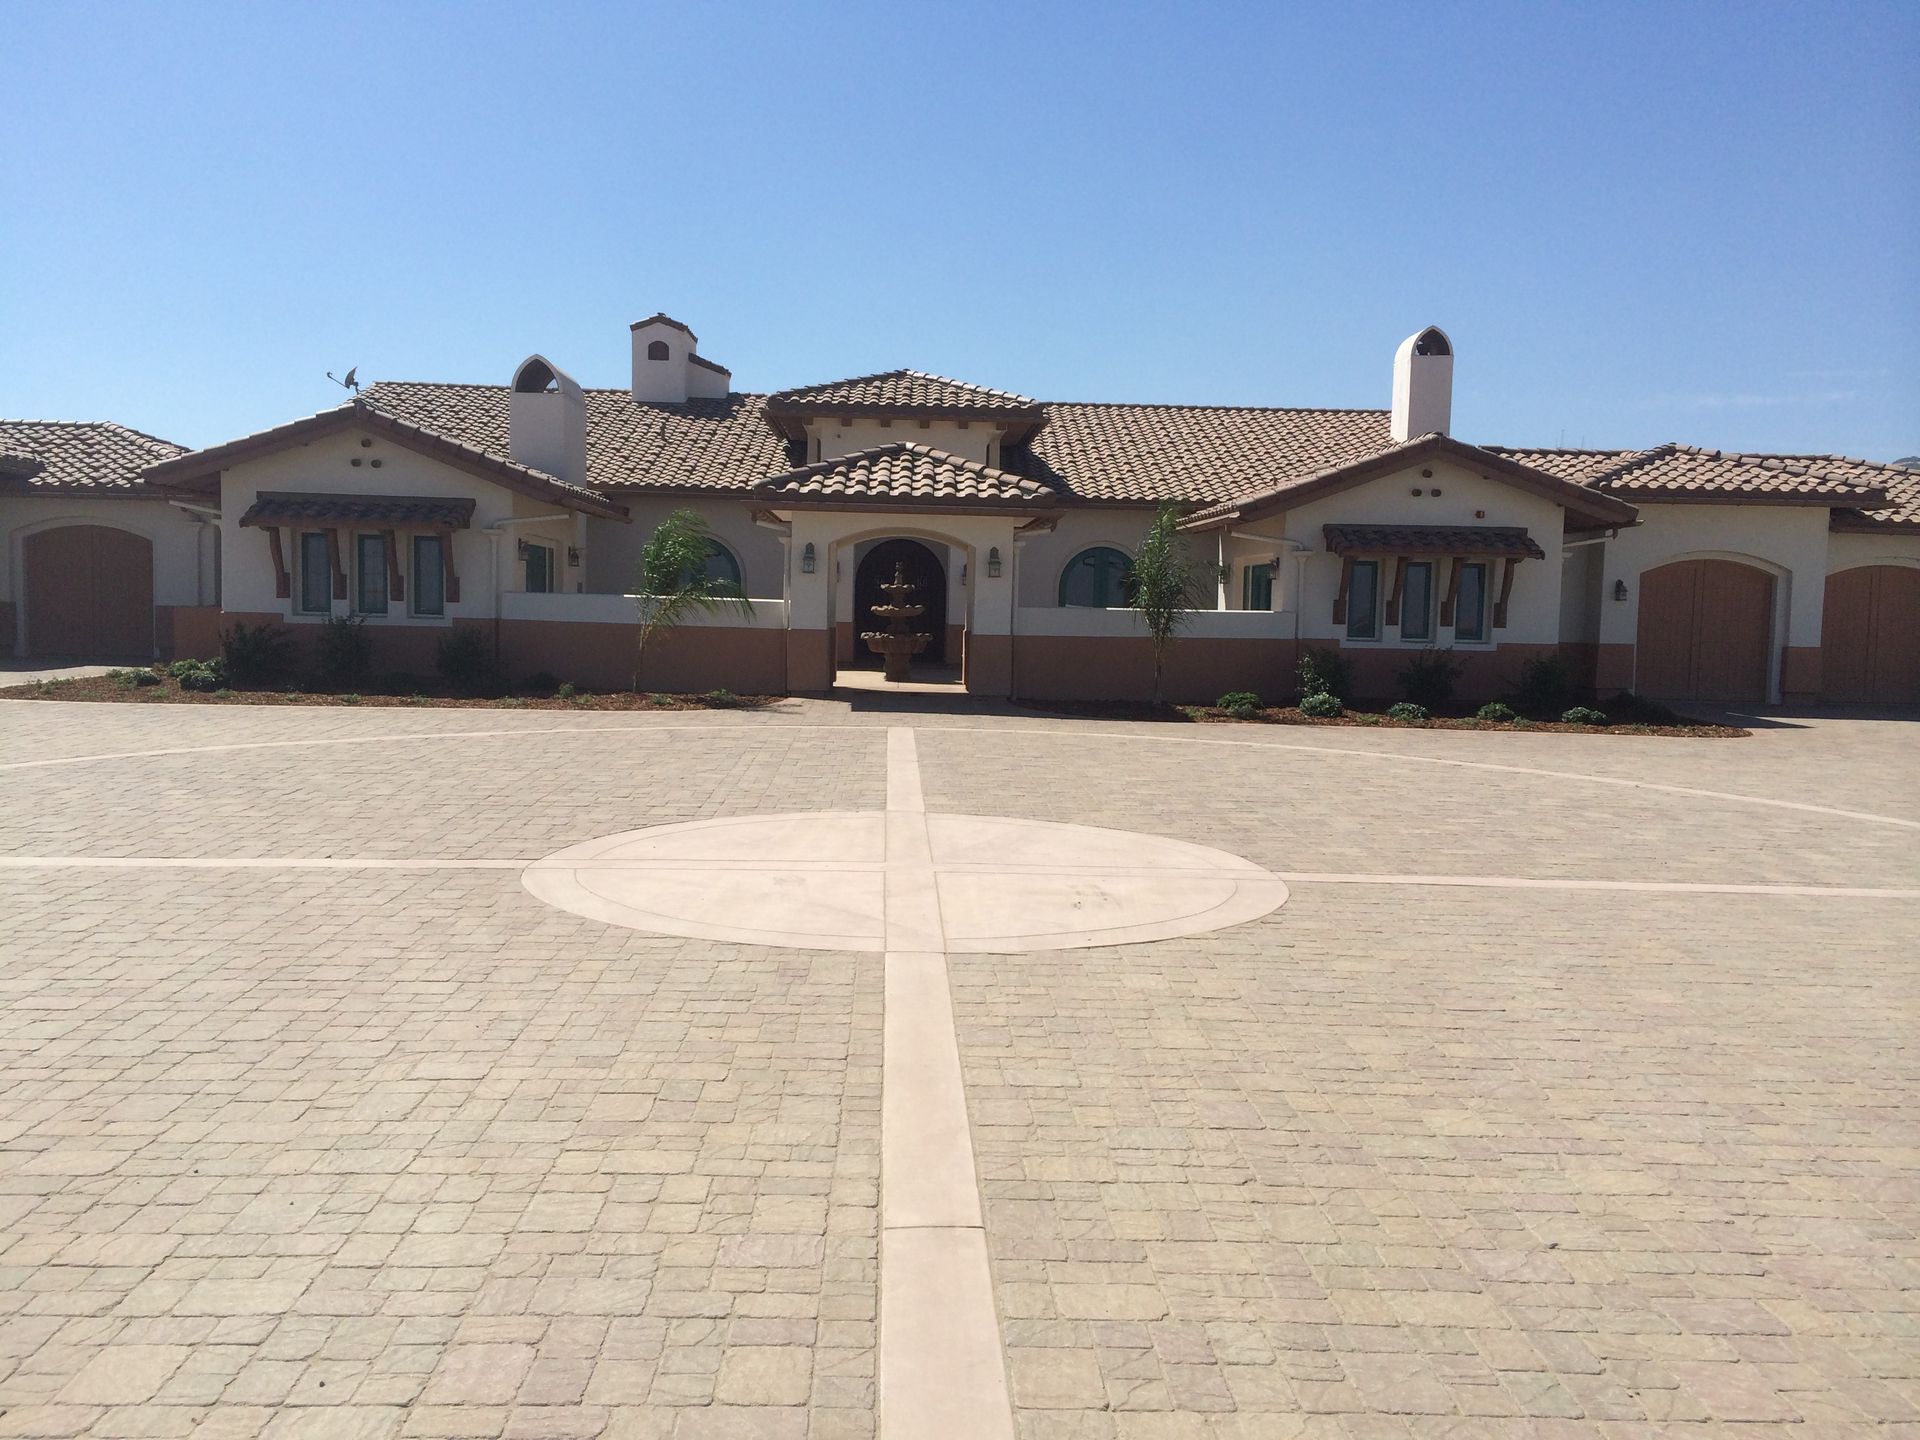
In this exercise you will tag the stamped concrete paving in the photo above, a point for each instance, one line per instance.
(383, 1150)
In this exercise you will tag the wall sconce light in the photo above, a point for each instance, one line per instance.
(1619, 589)
(807, 561)
(520, 548)
(573, 557)
(993, 563)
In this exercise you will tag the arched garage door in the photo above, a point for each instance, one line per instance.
(1705, 629)
(89, 593)
(1870, 635)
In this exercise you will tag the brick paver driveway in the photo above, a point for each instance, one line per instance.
(330, 1128)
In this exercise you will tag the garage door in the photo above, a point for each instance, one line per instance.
(1870, 635)
(89, 594)
(1705, 630)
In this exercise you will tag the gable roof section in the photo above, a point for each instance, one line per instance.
(1900, 484)
(1688, 474)
(198, 471)
(902, 392)
(64, 456)
(1586, 509)
(908, 476)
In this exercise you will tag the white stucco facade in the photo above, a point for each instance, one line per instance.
(185, 545)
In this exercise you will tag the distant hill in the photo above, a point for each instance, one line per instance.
(1912, 462)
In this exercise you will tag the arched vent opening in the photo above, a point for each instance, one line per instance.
(657, 350)
(1432, 342)
(535, 377)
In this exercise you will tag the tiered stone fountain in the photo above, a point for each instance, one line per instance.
(895, 643)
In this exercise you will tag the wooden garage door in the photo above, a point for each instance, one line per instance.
(1870, 635)
(89, 594)
(1705, 630)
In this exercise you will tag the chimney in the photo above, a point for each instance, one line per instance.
(667, 366)
(1423, 385)
(547, 420)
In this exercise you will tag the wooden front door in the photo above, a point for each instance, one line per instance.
(1705, 632)
(89, 594)
(1870, 635)
(923, 570)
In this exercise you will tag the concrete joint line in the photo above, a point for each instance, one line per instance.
(942, 1367)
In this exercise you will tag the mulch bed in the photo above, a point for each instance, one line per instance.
(1290, 715)
(168, 692)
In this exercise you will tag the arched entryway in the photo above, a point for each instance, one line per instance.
(924, 569)
(89, 593)
(1705, 632)
(1870, 635)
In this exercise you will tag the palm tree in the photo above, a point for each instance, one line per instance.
(674, 584)
(1163, 586)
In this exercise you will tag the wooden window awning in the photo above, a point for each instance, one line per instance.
(1493, 541)
(381, 512)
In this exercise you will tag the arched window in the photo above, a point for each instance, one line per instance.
(657, 350)
(1096, 578)
(723, 567)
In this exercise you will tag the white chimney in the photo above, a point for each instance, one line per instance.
(1423, 385)
(547, 420)
(667, 366)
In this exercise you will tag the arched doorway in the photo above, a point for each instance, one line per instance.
(1705, 631)
(1870, 636)
(924, 569)
(89, 594)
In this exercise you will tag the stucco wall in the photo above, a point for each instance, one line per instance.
(613, 549)
(1044, 555)
(977, 441)
(483, 561)
(186, 560)
(1846, 551)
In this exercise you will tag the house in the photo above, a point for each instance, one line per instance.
(522, 508)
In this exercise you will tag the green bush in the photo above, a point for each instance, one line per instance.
(349, 699)
(1630, 709)
(1407, 710)
(465, 659)
(1495, 710)
(1242, 703)
(256, 654)
(133, 679)
(565, 691)
(1545, 686)
(1325, 672)
(1322, 706)
(1583, 715)
(343, 650)
(201, 675)
(1428, 677)
(722, 697)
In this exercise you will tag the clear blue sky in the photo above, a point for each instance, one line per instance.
(1638, 222)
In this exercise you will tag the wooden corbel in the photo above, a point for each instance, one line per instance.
(339, 570)
(282, 582)
(396, 582)
(1346, 584)
(1453, 588)
(1506, 589)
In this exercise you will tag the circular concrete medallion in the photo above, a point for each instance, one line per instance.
(835, 881)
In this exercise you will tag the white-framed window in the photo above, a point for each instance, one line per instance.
(429, 576)
(539, 563)
(1363, 601)
(1470, 604)
(370, 574)
(1416, 601)
(315, 594)
(1256, 587)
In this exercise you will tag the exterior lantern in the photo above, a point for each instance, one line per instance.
(1619, 589)
(807, 560)
(993, 563)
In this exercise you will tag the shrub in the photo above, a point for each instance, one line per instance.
(1407, 710)
(1583, 715)
(133, 679)
(1545, 686)
(722, 697)
(1240, 703)
(349, 699)
(1631, 709)
(1428, 677)
(200, 674)
(565, 691)
(1325, 672)
(465, 659)
(256, 654)
(1322, 706)
(344, 650)
(1494, 710)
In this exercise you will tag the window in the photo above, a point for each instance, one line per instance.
(1470, 608)
(370, 574)
(316, 574)
(539, 568)
(723, 568)
(1363, 601)
(657, 350)
(1096, 578)
(1416, 601)
(429, 576)
(1256, 588)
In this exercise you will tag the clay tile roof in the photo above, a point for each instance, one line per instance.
(1198, 454)
(903, 473)
(1581, 466)
(1432, 540)
(901, 390)
(64, 455)
(273, 507)
(660, 317)
(1679, 472)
